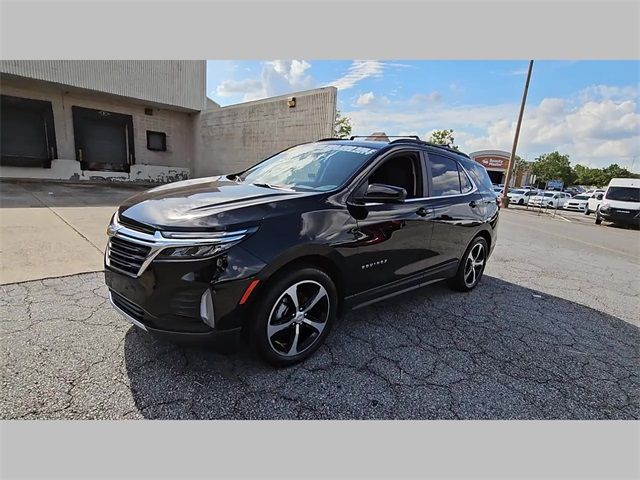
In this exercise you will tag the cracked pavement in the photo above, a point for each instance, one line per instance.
(537, 339)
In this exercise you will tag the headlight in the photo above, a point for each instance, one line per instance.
(200, 245)
(604, 207)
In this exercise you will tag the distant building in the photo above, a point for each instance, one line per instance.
(140, 120)
(496, 162)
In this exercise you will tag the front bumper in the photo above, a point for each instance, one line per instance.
(221, 339)
(616, 216)
(576, 208)
(167, 298)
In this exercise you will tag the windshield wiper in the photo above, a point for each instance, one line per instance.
(274, 187)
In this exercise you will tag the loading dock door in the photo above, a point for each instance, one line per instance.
(27, 134)
(103, 140)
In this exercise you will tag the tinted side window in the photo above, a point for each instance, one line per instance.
(444, 176)
(465, 184)
(480, 176)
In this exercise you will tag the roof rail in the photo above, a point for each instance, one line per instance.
(436, 145)
(413, 137)
(329, 139)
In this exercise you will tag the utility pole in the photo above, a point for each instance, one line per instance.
(512, 159)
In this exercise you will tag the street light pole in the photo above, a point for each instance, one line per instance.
(512, 159)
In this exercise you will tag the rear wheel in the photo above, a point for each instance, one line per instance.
(472, 266)
(295, 316)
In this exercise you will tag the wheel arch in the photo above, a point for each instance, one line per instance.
(323, 258)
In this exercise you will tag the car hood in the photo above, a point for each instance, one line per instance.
(622, 205)
(210, 203)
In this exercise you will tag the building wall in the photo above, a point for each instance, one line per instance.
(173, 164)
(230, 139)
(177, 83)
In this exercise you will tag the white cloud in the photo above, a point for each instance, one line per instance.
(278, 77)
(597, 126)
(358, 71)
(431, 97)
(365, 99)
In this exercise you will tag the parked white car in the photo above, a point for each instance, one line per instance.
(549, 199)
(519, 196)
(595, 199)
(577, 203)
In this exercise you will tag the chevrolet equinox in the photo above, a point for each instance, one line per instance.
(273, 254)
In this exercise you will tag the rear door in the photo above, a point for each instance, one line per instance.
(458, 208)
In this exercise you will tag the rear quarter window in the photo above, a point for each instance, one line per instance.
(480, 176)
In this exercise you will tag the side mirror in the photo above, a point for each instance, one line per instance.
(599, 196)
(381, 193)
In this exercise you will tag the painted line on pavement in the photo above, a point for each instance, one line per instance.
(573, 239)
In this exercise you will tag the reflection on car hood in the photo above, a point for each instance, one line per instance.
(212, 202)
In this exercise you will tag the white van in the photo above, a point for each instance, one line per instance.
(621, 202)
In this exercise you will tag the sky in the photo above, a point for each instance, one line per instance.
(586, 109)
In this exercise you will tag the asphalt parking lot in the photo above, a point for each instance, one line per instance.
(551, 332)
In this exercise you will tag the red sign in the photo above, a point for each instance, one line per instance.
(500, 163)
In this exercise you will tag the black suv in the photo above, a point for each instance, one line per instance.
(274, 253)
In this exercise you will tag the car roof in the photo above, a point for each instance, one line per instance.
(624, 182)
(380, 144)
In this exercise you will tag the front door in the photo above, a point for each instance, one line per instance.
(103, 140)
(393, 246)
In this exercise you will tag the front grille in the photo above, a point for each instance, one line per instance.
(127, 256)
(623, 213)
(127, 306)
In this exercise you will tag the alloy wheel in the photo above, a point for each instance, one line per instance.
(474, 265)
(298, 318)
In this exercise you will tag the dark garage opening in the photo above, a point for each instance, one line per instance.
(27, 134)
(103, 140)
(496, 177)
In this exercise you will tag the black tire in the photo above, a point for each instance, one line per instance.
(277, 309)
(587, 211)
(521, 202)
(459, 282)
(598, 219)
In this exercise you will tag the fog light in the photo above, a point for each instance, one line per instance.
(206, 309)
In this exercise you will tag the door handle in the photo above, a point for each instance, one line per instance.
(473, 204)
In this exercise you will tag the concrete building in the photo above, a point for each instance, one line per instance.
(496, 162)
(141, 121)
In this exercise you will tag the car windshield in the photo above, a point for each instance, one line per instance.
(581, 197)
(624, 194)
(517, 192)
(309, 167)
(549, 194)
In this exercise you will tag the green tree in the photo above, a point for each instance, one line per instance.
(553, 166)
(443, 137)
(342, 126)
(587, 176)
(600, 177)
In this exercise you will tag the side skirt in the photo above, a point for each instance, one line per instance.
(368, 297)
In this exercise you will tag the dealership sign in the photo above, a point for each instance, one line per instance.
(493, 162)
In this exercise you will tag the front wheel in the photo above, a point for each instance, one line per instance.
(295, 316)
(471, 267)
(587, 211)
